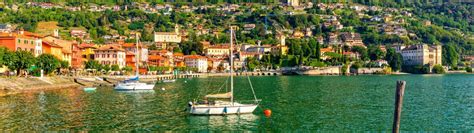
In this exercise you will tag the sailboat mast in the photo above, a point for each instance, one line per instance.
(231, 58)
(136, 56)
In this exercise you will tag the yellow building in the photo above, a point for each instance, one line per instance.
(87, 51)
(66, 47)
(52, 48)
(218, 50)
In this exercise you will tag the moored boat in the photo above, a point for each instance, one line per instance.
(224, 103)
(133, 83)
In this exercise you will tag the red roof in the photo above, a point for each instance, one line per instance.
(156, 57)
(85, 45)
(194, 57)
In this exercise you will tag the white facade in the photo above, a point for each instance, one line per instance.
(110, 57)
(421, 54)
(168, 37)
(196, 61)
(38, 47)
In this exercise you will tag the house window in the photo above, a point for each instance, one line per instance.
(108, 55)
(115, 56)
(19, 41)
(25, 41)
(103, 55)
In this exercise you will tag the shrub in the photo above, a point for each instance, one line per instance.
(469, 69)
(438, 69)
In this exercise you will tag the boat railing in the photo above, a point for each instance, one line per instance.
(249, 101)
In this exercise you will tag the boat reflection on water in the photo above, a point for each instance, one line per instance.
(223, 122)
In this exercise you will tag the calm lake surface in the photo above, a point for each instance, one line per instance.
(324, 103)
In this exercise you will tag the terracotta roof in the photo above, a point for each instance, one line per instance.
(67, 45)
(109, 48)
(219, 47)
(156, 57)
(16, 35)
(194, 57)
(85, 45)
(178, 54)
(126, 45)
(51, 44)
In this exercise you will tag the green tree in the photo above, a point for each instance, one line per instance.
(438, 69)
(127, 69)
(64, 64)
(375, 53)
(469, 69)
(115, 67)
(106, 68)
(19, 60)
(48, 63)
(450, 55)
(92, 64)
(394, 59)
(362, 52)
(3, 52)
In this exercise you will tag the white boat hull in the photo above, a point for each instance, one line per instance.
(222, 110)
(134, 86)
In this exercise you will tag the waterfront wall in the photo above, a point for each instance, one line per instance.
(17, 84)
(367, 70)
(321, 71)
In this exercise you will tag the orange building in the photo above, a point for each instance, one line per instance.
(178, 60)
(77, 62)
(130, 59)
(52, 48)
(156, 60)
(22, 40)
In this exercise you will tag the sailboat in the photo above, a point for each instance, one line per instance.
(133, 83)
(227, 105)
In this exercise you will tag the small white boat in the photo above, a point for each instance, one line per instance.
(223, 107)
(169, 80)
(220, 108)
(133, 84)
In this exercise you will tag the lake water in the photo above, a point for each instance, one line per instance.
(298, 103)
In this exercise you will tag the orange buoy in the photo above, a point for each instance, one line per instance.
(267, 112)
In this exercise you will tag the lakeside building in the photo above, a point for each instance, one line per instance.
(87, 51)
(22, 40)
(132, 47)
(178, 60)
(110, 55)
(420, 54)
(218, 50)
(78, 33)
(196, 61)
(76, 57)
(53, 49)
(162, 39)
(159, 61)
(352, 39)
(66, 47)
